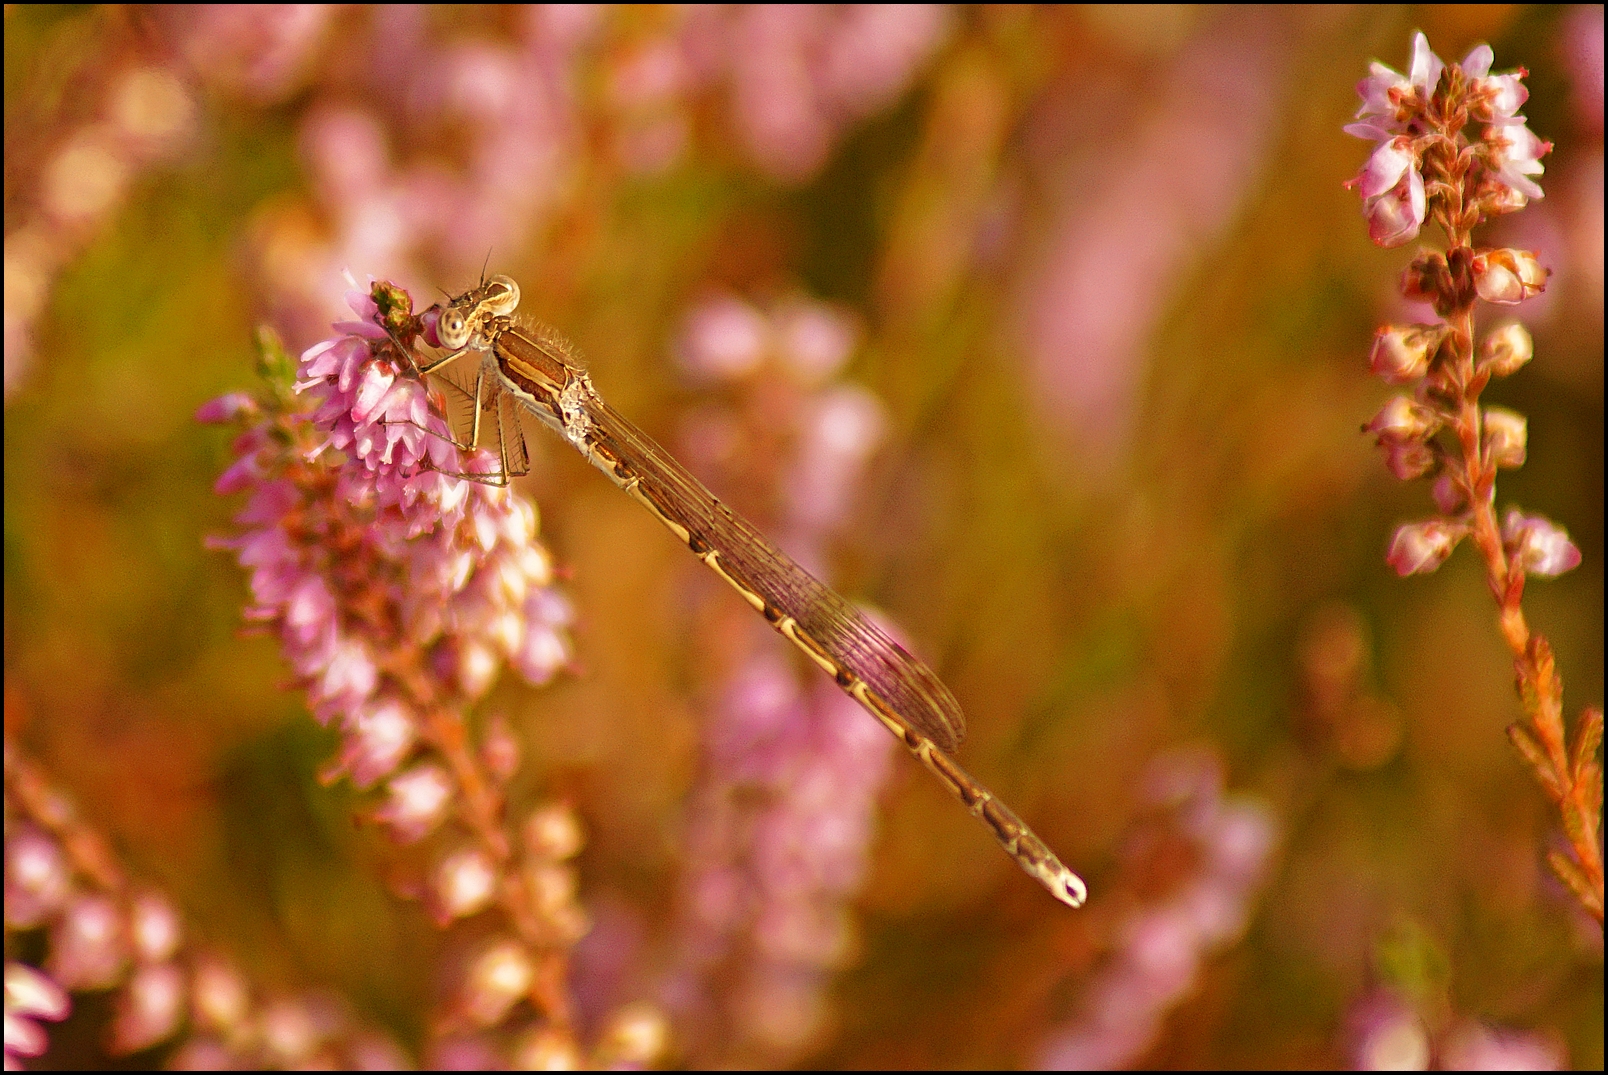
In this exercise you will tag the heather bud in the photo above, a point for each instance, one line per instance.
(1396, 214)
(1506, 350)
(497, 980)
(229, 407)
(1498, 199)
(1401, 353)
(634, 1037)
(419, 799)
(464, 884)
(1508, 277)
(154, 928)
(1505, 433)
(546, 1048)
(89, 947)
(219, 998)
(1409, 460)
(553, 833)
(1427, 278)
(148, 1008)
(1403, 420)
(1448, 494)
(1419, 548)
(1536, 546)
(499, 749)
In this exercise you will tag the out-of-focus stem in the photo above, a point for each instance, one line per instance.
(483, 810)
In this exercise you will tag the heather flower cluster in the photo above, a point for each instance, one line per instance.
(1422, 162)
(781, 820)
(104, 931)
(398, 590)
(1161, 946)
(1425, 165)
(392, 583)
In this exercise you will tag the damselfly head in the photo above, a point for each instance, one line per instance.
(466, 316)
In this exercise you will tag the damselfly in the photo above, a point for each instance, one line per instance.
(532, 368)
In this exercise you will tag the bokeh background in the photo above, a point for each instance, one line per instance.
(1092, 271)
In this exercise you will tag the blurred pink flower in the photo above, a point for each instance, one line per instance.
(781, 821)
(1419, 548)
(30, 996)
(1538, 546)
(1473, 1046)
(1123, 242)
(1160, 946)
(801, 73)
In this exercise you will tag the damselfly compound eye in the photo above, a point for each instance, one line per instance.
(452, 329)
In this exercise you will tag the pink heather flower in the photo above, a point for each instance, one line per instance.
(1449, 495)
(1387, 1035)
(800, 73)
(38, 879)
(1508, 277)
(814, 339)
(724, 338)
(1536, 546)
(1395, 217)
(1506, 350)
(154, 928)
(1386, 166)
(545, 1048)
(1473, 1046)
(1515, 154)
(497, 979)
(1505, 437)
(88, 949)
(1390, 100)
(553, 833)
(465, 883)
(1419, 548)
(220, 997)
(1162, 943)
(841, 430)
(634, 1037)
(261, 50)
(30, 996)
(367, 557)
(1407, 460)
(1403, 420)
(783, 818)
(1492, 98)
(872, 51)
(290, 1032)
(379, 738)
(229, 407)
(419, 799)
(149, 1008)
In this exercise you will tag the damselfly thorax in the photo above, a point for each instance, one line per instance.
(497, 369)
